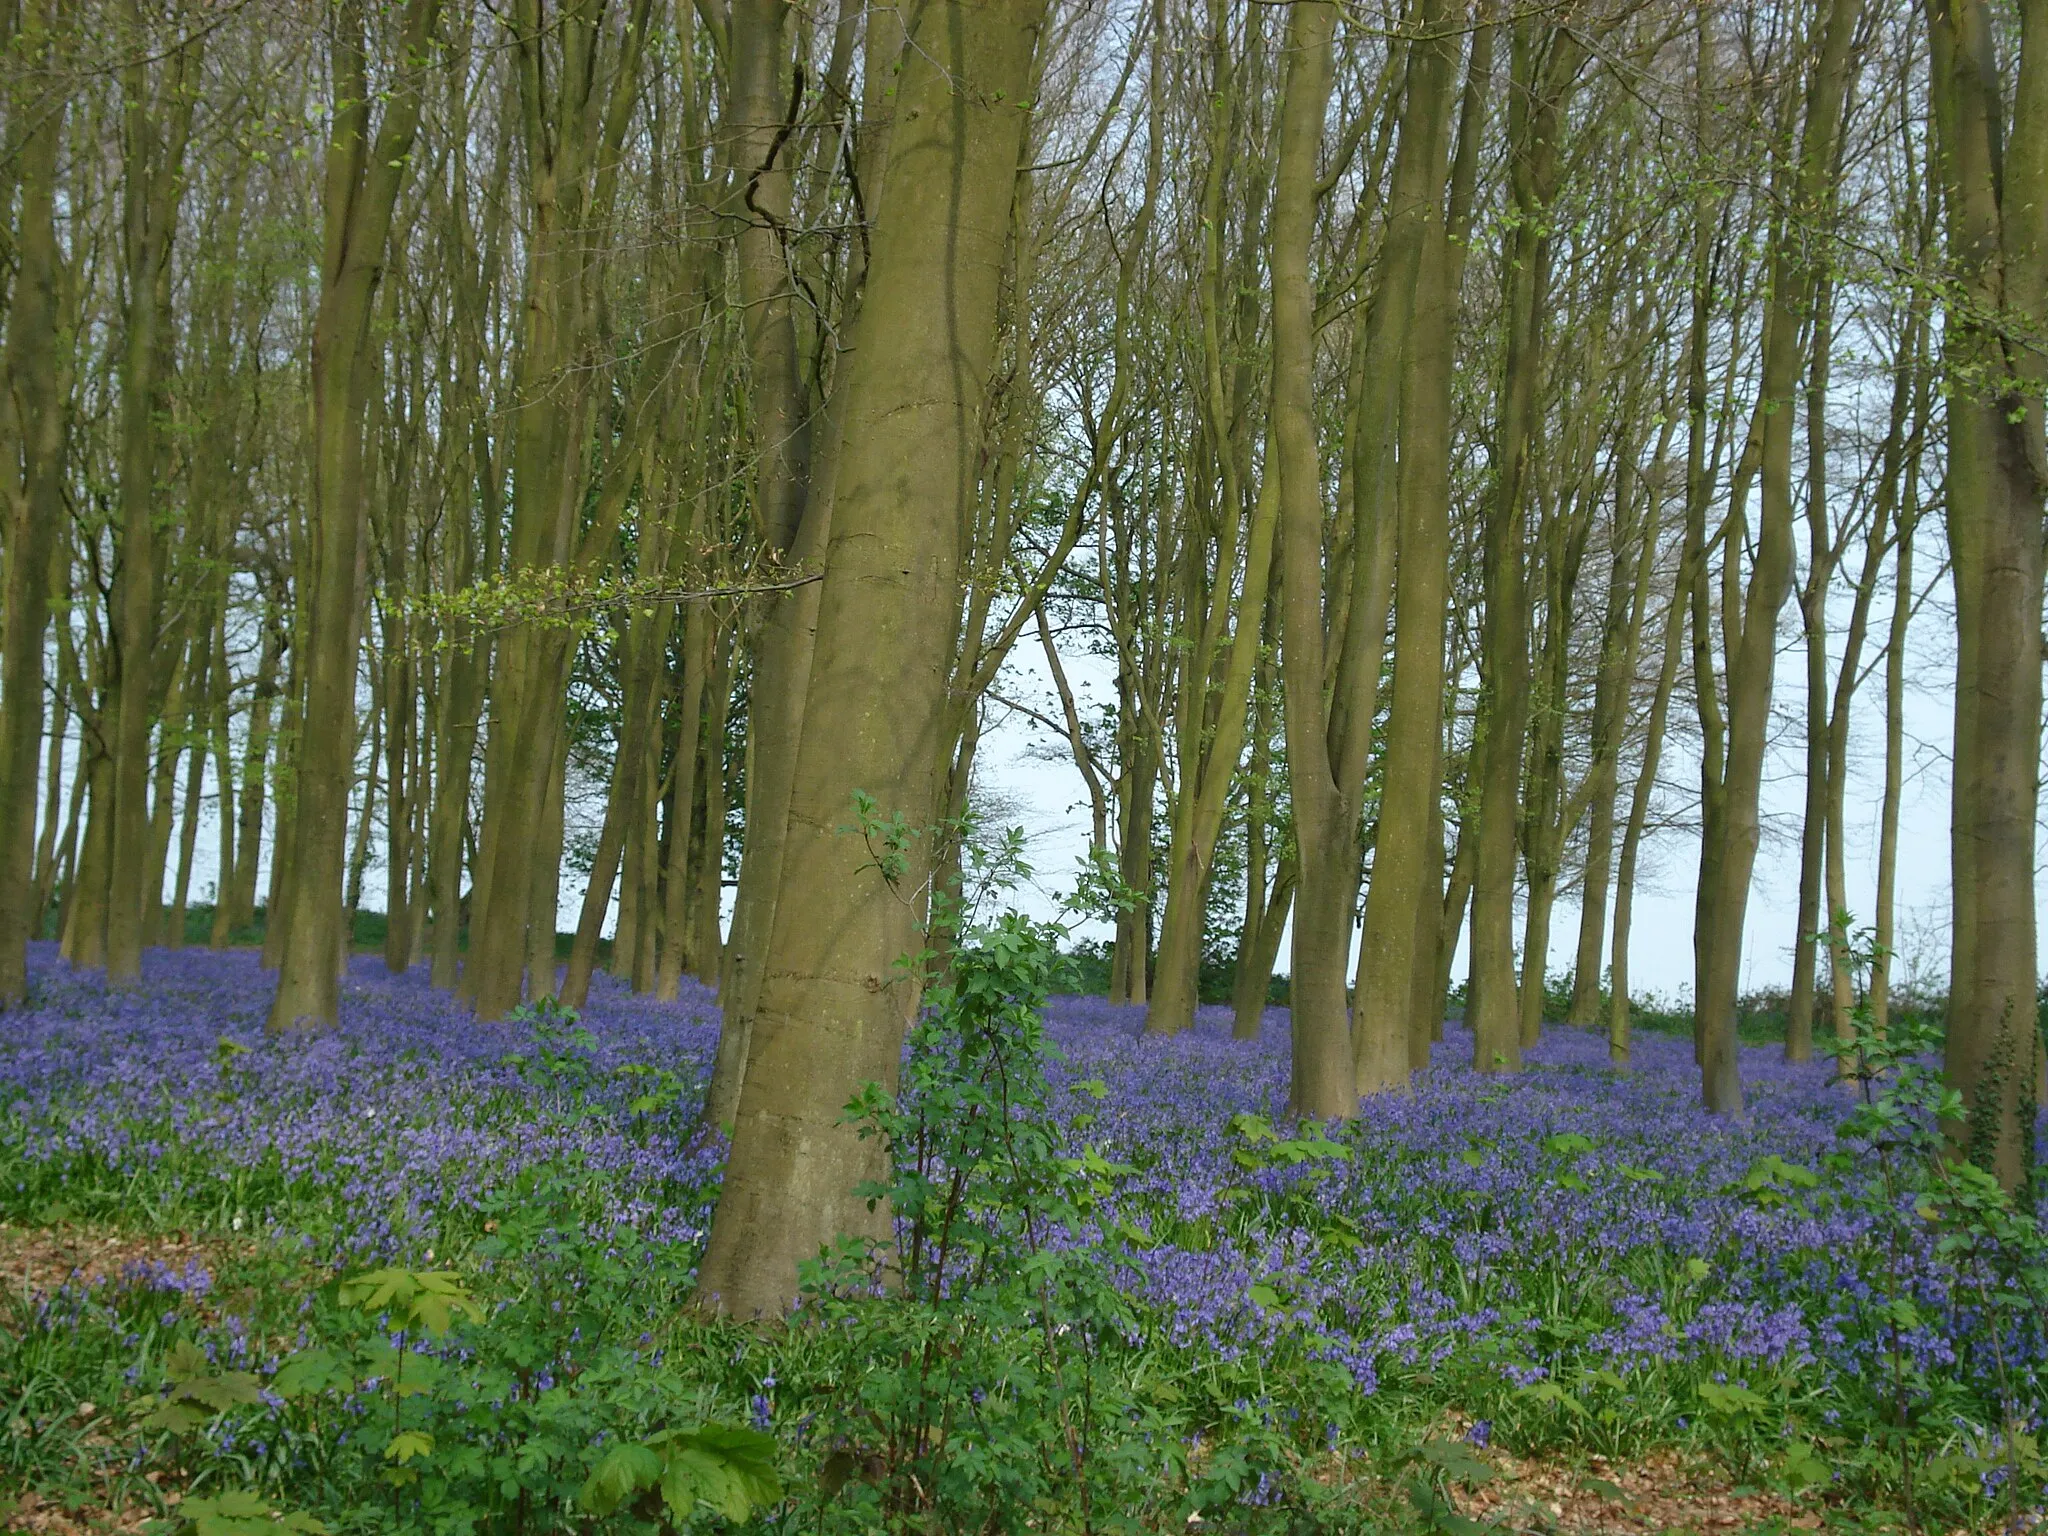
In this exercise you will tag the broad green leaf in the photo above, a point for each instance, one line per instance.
(186, 1361)
(624, 1471)
(244, 1513)
(1455, 1459)
(179, 1418)
(407, 1444)
(1730, 1399)
(309, 1371)
(225, 1390)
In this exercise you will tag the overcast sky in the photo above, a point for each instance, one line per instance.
(1028, 767)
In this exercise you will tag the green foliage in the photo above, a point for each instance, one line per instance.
(427, 1299)
(978, 1375)
(195, 1392)
(1916, 1124)
(985, 1373)
(239, 1514)
(723, 1468)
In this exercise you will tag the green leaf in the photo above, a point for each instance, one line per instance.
(186, 1362)
(1773, 1172)
(309, 1371)
(428, 1298)
(1264, 1295)
(1800, 1469)
(243, 1513)
(624, 1471)
(1455, 1460)
(223, 1391)
(1736, 1402)
(407, 1444)
(1697, 1268)
(1567, 1144)
(179, 1418)
(722, 1466)
(1438, 1515)
(737, 1464)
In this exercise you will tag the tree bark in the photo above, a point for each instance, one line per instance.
(1396, 982)
(362, 181)
(833, 1005)
(38, 383)
(1997, 226)
(1545, 66)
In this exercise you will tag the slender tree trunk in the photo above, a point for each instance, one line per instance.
(543, 906)
(674, 955)
(47, 846)
(1395, 985)
(1545, 65)
(1731, 824)
(155, 126)
(1629, 582)
(256, 748)
(1618, 1016)
(38, 382)
(707, 948)
(1883, 915)
(221, 717)
(1260, 951)
(1324, 1077)
(362, 184)
(188, 834)
(647, 640)
(1131, 955)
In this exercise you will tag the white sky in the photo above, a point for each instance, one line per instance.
(1050, 799)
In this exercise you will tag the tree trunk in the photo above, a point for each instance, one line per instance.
(362, 183)
(1260, 950)
(156, 124)
(707, 948)
(674, 955)
(1997, 223)
(1731, 827)
(833, 1005)
(1545, 66)
(38, 382)
(1396, 982)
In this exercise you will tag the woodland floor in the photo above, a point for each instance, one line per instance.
(1595, 1308)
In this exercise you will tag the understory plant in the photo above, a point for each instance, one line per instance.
(982, 1371)
(1913, 1132)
